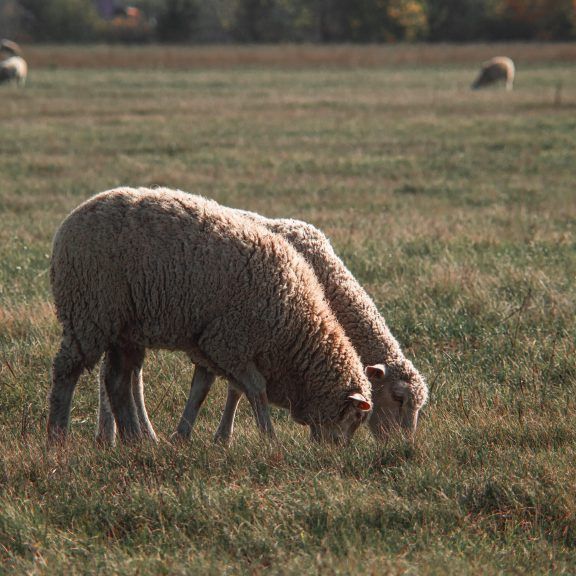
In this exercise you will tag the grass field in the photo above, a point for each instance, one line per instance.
(455, 209)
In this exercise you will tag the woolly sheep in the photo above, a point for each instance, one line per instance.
(398, 390)
(14, 67)
(494, 70)
(136, 268)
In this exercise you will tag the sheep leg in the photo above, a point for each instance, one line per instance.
(201, 384)
(226, 426)
(138, 395)
(68, 365)
(118, 367)
(251, 382)
(260, 407)
(106, 430)
(254, 385)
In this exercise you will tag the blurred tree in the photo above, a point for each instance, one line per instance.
(61, 20)
(129, 24)
(345, 21)
(11, 15)
(457, 20)
(371, 20)
(532, 19)
(176, 20)
(255, 21)
(273, 20)
(293, 20)
(407, 20)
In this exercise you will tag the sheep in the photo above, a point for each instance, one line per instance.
(138, 268)
(398, 390)
(14, 67)
(494, 70)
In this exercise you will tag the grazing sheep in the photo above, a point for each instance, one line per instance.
(14, 67)
(494, 70)
(136, 268)
(398, 390)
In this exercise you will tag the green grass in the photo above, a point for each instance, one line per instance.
(455, 209)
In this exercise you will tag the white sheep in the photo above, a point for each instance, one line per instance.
(136, 268)
(398, 390)
(499, 68)
(14, 67)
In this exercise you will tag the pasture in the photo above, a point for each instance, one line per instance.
(455, 209)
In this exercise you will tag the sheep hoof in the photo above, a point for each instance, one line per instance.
(177, 438)
(222, 440)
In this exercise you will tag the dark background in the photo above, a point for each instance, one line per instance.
(273, 21)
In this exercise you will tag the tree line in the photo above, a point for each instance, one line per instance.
(271, 21)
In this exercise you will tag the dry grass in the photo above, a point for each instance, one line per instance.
(455, 209)
(291, 56)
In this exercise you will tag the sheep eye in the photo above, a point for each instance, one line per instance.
(398, 398)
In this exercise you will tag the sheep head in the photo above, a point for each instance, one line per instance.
(356, 410)
(397, 402)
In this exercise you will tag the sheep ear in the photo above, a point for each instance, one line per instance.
(376, 372)
(360, 402)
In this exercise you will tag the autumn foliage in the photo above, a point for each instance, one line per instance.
(296, 21)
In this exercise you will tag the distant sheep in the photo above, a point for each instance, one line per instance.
(398, 390)
(136, 268)
(14, 67)
(499, 68)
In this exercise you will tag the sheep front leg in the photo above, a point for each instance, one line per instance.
(201, 383)
(226, 427)
(254, 385)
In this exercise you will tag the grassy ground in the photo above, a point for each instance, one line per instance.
(455, 209)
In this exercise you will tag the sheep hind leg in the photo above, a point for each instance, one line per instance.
(254, 385)
(138, 395)
(225, 429)
(119, 365)
(68, 365)
(106, 430)
(201, 383)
